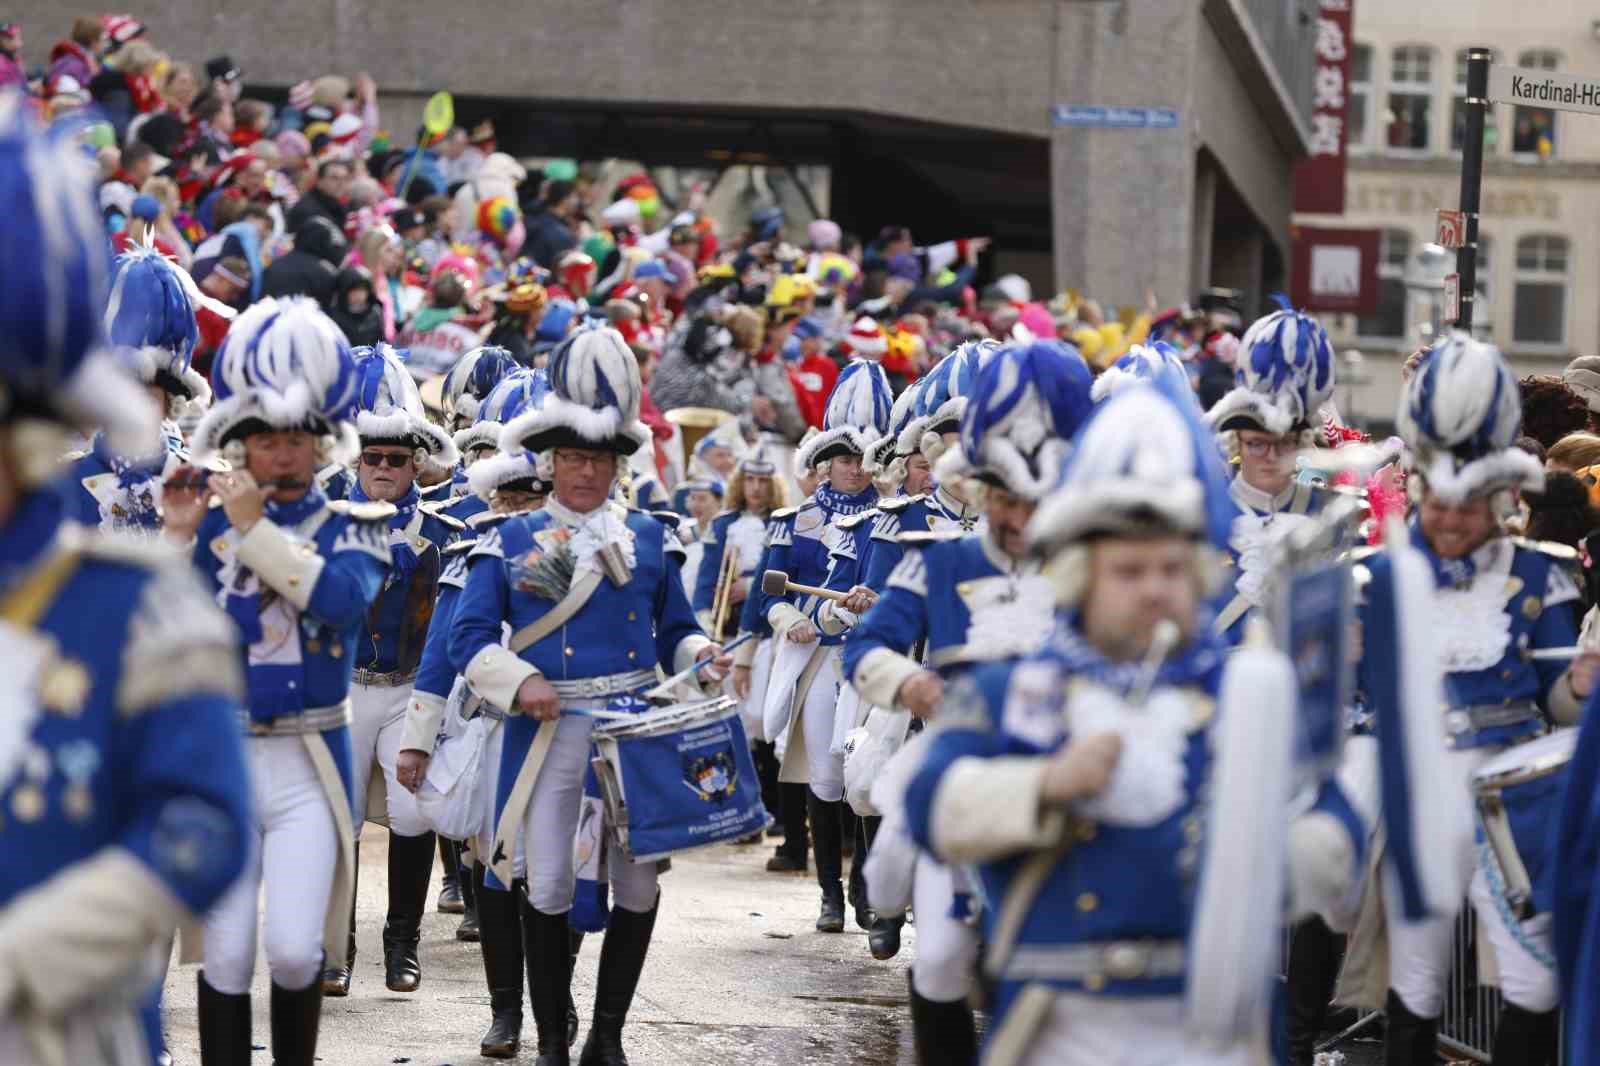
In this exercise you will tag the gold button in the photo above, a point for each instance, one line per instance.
(1088, 901)
(569, 651)
(294, 581)
(633, 655)
(1086, 831)
(1192, 831)
(337, 651)
(1094, 982)
(1507, 674)
(632, 617)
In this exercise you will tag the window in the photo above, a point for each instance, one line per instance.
(1458, 110)
(1394, 247)
(1358, 91)
(1482, 268)
(1539, 313)
(1410, 98)
(1533, 129)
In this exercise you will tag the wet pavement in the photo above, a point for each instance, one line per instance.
(736, 974)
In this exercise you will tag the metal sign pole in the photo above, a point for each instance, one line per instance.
(1477, 102)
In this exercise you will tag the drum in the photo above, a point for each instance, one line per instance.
(1518, 797)
(678, 778)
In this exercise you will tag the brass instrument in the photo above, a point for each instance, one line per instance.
(722, 600)
(693, 424)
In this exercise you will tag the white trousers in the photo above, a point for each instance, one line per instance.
(947, 948)
(551, 823)
(1109, 1031)
(377, 719)
(294, 853)
(822, 700)
(1419, 952)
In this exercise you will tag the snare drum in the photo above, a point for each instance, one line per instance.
(678, 778)
(1518, 797)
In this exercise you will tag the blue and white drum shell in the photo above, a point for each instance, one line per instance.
(1518, 797)
(678, 778)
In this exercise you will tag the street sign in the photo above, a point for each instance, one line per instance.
(1452, 297)
(1114, 118)
(1544, 88)
(1451, 231)
(1334, 269)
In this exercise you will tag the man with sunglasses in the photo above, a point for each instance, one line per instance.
(396, 439)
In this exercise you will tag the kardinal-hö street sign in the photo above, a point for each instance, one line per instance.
(1544, 88)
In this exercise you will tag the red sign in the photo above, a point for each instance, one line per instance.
(1451, 232)
(1319, 179)
(1334, 269)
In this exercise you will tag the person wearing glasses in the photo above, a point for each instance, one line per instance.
(396, 439)
(594, 597)
(1285, 374)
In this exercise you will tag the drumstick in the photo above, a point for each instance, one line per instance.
(683, 675)
(1556, 653)
(777, 583)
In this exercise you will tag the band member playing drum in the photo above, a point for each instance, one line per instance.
(1498, 601)
(593, 596)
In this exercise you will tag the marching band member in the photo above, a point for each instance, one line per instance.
(698, 500)
(753, 493)
(803, 687)
(150, 324)
(396, 440)
(122, 778)
(505, 485)
(1285, 374)
(1505, 599)
(298, 575)
(1073, 777)
(593, 593)
(970, 597)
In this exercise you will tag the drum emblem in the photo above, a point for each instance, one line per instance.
(712, 777)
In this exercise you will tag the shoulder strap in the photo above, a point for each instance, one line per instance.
(29, 601)
(577, 595)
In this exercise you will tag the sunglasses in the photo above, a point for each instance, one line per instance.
(395, 461)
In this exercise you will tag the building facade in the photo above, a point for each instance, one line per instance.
(1539, 256)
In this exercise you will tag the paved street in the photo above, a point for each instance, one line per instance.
(736, 975)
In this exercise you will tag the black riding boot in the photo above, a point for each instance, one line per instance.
(765, 755)
(224, 1027)
(622, 953)
(452, 886)
(1313, 968)
(410, 870)
(826, 831)
(1526, 1038)
(790, 856)
(336, 979)
(547, 948)
(572, 1004)
(468, 929)
(1408, 1039)
(500, 925)
(295, 1018)
(944, 1033)
(858, 882)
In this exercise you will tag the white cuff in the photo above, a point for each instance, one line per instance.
(879, 675)
(83, 934)
(745, 654)
(495, 673)
(835, 619)
(784, 616)
(423, 713)
(989, 808)
(688, 649)
(1564, 707)
(290, 569)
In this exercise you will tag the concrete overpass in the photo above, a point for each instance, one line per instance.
(935, 113)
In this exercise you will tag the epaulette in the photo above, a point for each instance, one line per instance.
(460, 547)
(436, 488)
(1365, 551)
(783, 513)
(1555, 549)
(72, 457)
(364, 510)
(896, 504)
(670, 519)
(930, 536)
(856, 519)
(436, 510)
(490, 519)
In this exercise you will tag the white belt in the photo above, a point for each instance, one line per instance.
(310, 720)
(1115, 960)
(605, 685)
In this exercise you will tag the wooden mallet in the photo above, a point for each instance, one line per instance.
(777, 583)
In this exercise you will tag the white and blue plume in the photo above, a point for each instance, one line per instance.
(468, 382)
(150, 323)
(1283, 374)
(516, 394)
(390, 406)
(284, 365)
(1140, 365)
(1460, 417)
(594, 398)
(856, 417)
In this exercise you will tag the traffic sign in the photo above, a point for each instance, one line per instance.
(1114, 118)
(1451, 231)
